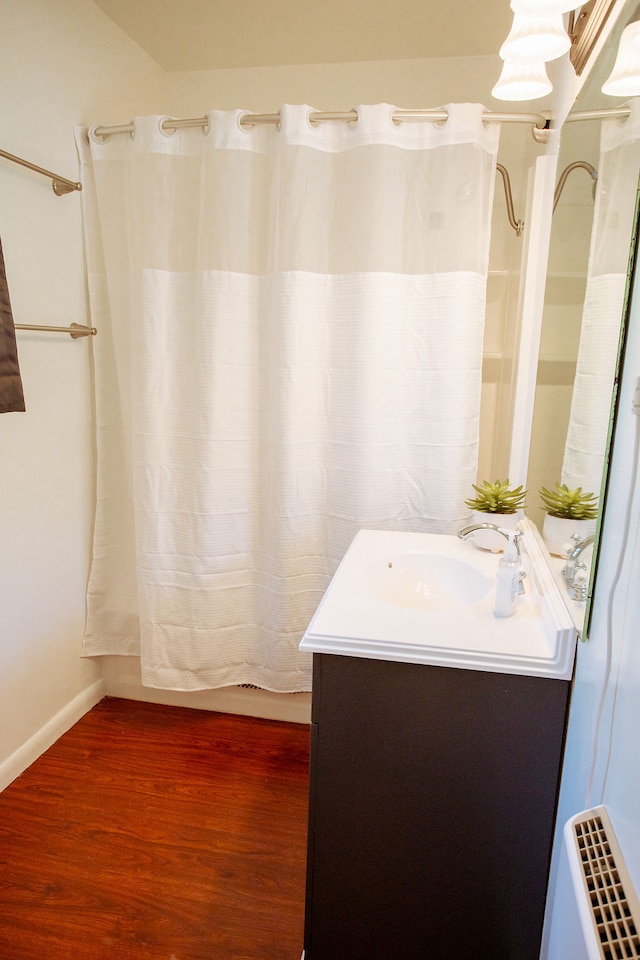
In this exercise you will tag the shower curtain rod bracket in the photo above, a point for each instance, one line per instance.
(518, 225)
(61, 187)
(79, 330)
(576, 165)
(540, 134)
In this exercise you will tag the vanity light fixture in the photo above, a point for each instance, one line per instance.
(535, 39)
(624, 79)
(539, 34)
(585, 28)
(522, 81)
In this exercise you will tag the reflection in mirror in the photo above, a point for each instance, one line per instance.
(587, 431)
(562, 316)
(584, 298)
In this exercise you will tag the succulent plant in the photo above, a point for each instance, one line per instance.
(497, 497)
(569, 504)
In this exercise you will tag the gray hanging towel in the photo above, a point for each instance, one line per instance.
(11, 395)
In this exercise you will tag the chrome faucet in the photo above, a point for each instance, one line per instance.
(513, 535)
(574, 571)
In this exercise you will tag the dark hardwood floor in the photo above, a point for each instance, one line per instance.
(157, 833)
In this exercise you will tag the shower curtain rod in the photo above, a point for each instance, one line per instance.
(60, 185)
(538, 121)
(604, 114)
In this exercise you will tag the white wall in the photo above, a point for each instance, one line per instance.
(605, 711)
(62, 63)
(336, 86)
(602, 754)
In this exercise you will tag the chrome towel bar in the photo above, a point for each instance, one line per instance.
(75, 330)
(60, 184)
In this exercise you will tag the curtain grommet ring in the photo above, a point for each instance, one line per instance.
(169, 134)
(245, 128)
(94, 137)
(442, 123)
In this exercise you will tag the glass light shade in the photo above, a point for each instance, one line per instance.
(535, 39)
(544, 8)
(522, 81)
(624, 79)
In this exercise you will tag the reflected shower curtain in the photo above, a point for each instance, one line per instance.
(289, 348)
(618, 171)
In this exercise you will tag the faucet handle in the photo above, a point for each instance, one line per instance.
(579, 586)
(513, 535)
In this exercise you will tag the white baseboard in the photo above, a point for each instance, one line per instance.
(122, 679)
(47, 735)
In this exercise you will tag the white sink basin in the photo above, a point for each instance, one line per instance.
(427, 581)
(428, 598)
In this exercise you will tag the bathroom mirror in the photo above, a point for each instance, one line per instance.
(566, 408)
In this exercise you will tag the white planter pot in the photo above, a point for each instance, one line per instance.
(491, 539)
(557, 533)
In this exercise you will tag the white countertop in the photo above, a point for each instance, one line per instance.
(379, 606)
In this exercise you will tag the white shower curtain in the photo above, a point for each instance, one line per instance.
(618, 171)
(290, 342)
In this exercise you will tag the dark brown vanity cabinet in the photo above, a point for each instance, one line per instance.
(432, 806)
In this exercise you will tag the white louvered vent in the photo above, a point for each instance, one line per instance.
(613, 904)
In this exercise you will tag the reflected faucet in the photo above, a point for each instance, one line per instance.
(574, 571)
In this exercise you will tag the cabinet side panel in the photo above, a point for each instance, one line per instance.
(311, 837)
(434, 810)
